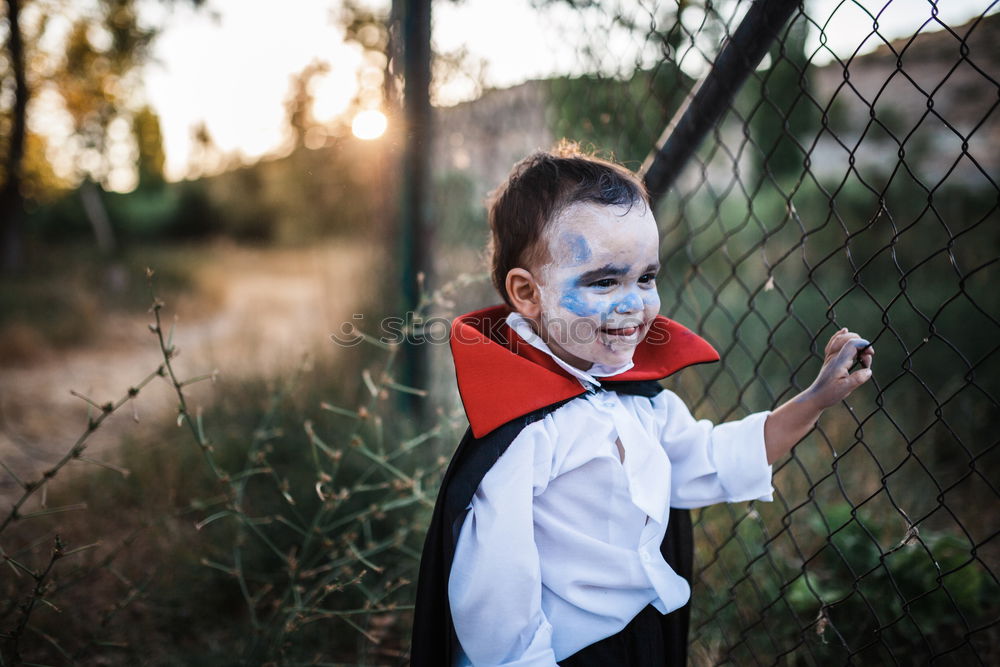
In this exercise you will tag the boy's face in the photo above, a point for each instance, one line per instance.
(598, 292)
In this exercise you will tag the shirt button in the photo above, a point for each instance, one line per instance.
(644, 557)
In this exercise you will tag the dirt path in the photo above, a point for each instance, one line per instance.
(276, 305)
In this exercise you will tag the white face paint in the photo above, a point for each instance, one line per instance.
(598, 292)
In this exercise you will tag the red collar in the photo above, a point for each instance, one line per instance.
(501, 377)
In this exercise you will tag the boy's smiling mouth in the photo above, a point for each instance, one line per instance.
(625, 331)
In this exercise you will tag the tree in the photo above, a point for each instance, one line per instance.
(92, 70)
(149, 140)
(10, 193)
(299, 102)
(377, 33)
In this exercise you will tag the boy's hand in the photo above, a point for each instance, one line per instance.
(835, 380)
(790, 422)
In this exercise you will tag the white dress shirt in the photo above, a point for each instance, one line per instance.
(560, 546)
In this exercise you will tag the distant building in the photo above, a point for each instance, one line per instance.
(927, 95)
(484, 138)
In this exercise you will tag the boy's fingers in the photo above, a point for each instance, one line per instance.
(840, 340)
(859, 377)
(848, 354)
(832, 344)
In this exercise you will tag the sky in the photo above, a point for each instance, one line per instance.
(228, 64)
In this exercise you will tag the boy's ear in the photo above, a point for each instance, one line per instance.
(523, 292)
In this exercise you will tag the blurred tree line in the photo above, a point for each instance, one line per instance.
(89, 76)
(84, 62)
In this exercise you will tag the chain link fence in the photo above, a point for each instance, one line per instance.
(850, 181)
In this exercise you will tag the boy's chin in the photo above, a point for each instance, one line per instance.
(619, 359)
(613, 356)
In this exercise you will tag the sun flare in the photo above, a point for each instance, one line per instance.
(370, 124)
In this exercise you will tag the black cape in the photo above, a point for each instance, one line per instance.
(434, 643)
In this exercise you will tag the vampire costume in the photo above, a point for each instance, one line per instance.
(506, 384)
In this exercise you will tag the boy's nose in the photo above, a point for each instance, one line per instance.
(629, 304)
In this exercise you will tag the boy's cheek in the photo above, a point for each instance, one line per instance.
(652, 303)
(575, 307)
(577, 302)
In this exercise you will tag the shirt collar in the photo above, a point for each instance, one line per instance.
(500, 376)
(522, 327)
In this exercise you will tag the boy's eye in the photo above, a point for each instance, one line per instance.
(604, 282)
(647, 277)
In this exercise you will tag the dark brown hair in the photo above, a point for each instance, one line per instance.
(540, 187)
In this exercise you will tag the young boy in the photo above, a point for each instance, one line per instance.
(548, 539)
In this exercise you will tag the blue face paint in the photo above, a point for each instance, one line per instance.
(630, 304)
(579, 301)
(579, 248)
(574, 300)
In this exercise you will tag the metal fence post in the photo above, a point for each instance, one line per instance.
(714, 94)
(414, 217)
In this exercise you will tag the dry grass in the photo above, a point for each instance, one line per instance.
(243, 311)
(279, 518)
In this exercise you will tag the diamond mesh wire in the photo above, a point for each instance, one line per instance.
(852, 181)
